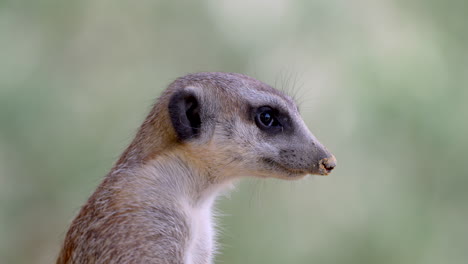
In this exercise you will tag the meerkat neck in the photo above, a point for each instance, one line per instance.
(171, 181)
(173, 176)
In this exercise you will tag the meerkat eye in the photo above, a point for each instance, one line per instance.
(266, 119)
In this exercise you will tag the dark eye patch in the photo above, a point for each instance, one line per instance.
(270, 120)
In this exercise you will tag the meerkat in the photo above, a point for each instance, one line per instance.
(205, 131)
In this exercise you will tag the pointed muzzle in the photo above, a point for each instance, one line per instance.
(323, 161)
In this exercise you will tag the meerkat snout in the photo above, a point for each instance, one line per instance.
(206, 130)
(327, 165)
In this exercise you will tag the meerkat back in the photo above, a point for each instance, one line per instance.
(205, 131)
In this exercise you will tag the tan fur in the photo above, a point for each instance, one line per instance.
(155, 204)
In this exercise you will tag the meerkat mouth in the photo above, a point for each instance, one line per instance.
(289, 171)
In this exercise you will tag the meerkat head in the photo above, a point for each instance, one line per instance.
(238, 126)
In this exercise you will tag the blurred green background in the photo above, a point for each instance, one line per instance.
(384, 84)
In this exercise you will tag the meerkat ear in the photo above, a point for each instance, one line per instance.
(184, 110)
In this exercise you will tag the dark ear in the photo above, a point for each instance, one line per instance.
(184, 110)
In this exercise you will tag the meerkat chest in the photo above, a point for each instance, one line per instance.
(201, 241)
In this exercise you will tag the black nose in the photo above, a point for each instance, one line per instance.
(326, 165)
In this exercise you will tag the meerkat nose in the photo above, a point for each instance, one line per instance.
(326, 165)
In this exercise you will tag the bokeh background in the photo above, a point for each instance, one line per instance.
(384, 84)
